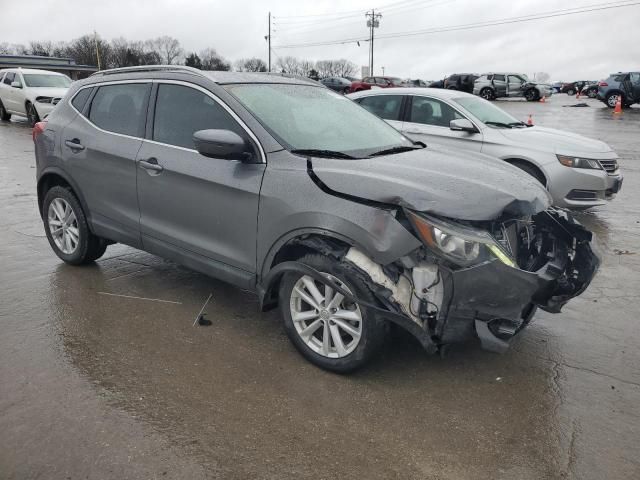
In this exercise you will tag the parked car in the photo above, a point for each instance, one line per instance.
(590, 89)
(338, 84)
(30, 93)
(625, 84)
(498, 85)
(579, 172)
(375, 82)
(437, 84)
(572, 88)
(415, 83)
(556, 87)
(281, 186)
(460, 81)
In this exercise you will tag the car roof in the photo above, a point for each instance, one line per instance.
(31, 70)
(441, 93)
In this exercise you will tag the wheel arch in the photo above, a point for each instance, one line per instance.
(52, 177)
(523, 161)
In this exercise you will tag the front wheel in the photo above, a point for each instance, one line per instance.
(32, 114)
(4, 115)
(571, 92)
(331, 332)
(487, 94)
(592, 93)
(532, 95)
(67, 230)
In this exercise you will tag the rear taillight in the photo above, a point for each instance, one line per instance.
(603, 84)
(38, 128)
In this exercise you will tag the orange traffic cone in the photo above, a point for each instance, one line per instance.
(530, 121)
(618, 108)
(543, 99)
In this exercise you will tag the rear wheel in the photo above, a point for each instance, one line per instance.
(591, 93)
(4, 115)
(571, 92)
(328, 330)
(67, 229)
(32, 114)
(487, 93)
(612, 98)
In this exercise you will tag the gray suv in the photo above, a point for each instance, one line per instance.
(624, 84)
(281, 186)
(497, 85)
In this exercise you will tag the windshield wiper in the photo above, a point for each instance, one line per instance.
(392, 150)
(518, 124)
(317, 152)
(499, 124)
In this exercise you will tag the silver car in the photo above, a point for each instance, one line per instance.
(498, 85)
(283, 187)
(578, 172)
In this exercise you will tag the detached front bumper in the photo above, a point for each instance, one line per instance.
(497, 301)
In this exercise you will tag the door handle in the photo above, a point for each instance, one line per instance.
(151, 164)
(74, 145)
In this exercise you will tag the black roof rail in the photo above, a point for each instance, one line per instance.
(149, 68)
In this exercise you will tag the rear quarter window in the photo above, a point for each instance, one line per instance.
(80, 99)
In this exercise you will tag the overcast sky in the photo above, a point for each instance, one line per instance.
(588, 45)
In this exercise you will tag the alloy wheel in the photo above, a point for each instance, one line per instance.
(612, 100)
(326, 322)
(63, 226)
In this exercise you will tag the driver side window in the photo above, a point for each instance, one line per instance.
(514, 79)
(429, 111)
(635, 78)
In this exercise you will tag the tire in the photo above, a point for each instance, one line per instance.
(4, 115)
(532, 95)
(76, 244)
(487, 93)
(531, 170)
(612, 98)
(356, 350)
(32, 114)
(592, 93)
(571, 92)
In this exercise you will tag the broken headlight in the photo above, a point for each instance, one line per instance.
(578, 162)
(460, 244)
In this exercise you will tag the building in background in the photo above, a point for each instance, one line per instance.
(67, 66)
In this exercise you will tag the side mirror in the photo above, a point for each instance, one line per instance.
(16, 84)
(223, 144)
(462, 125)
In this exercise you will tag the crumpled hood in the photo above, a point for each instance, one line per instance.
(556, 141)
(443, 181)
(54, 92)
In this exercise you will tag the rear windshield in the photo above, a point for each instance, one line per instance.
(44, 80)
(308, 117)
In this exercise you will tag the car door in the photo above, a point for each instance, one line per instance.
(514, 84)
(387, 107)
(11, 94)
(632, 86)
(427, 120)
(99, 149)
(198, 210)
(500, 85)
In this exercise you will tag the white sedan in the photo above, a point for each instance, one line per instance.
(578, 172)
(30, 93)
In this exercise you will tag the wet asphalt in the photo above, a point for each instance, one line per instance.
(94, 386)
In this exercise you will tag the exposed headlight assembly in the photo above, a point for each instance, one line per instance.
(459, 244)
(578, 162)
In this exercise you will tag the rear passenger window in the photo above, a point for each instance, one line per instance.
(384, 106)
(121, 108)
(181, 111)
(81, 98)
(500, 78)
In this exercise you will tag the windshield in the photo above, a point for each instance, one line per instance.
(486, 111)
(305, 117)
(44, 80)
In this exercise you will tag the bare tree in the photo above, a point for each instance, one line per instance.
(211, 60)
(345, 68)
(325, 68)
(83, 51)
(168, 48)
(542, 77)
(250, 65)
(290, 65)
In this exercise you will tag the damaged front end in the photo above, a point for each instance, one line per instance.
(475, 279)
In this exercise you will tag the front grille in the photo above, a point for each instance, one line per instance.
(611, 166)
(582, 195)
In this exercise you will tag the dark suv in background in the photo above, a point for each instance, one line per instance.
(283, 187)
(460, 81)
(625, 84)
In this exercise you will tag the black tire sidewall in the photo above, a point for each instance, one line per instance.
(373, 328)
(4, 115)
(32, 118)
(489, 92)
(85, 248)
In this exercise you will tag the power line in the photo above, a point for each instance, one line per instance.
(470, 26)
(333, 14)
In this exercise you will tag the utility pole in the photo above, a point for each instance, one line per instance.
(269, 40)
(95, 40)
(373, 22)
